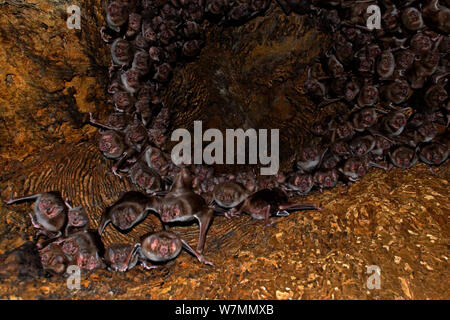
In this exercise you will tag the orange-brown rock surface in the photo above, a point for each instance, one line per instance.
(50, 77)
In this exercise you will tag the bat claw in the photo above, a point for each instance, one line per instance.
(114, 171)
(269, 224)
(203, 260)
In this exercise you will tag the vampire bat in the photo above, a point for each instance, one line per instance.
(397, 92)
(129, 210)
(163, 246)
(53, 259)
(49, 214)
(326, 179)
(309, 157)
(183, 204)
(146, 178)
(364, 118)
(121, 53)
(403, 157)
(229, 194)
(265, 203)
(121, 257)
(355, 168)
(77, 220)
(368, 96)
(84, 248)
(412, 19)
(118, 144)
(382, 146)
(299, 183)
(433, 153)
(394, 123)
(386, 64)
(362, 145)
(116, 14)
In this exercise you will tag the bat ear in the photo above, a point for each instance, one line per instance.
(154, 243)
(104, 222)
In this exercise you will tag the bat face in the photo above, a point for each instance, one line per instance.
(134, 24)
(362, 145)
(398, 91)
(53, 258)
(355, 168)
(395, 123)
(130, 80)
(136, 133)
(368, 96)
(141, 62)
(122, 103)
(50, 206)
(365, 118)
(111, 144)
(81, 247)
(155, 159)
(330, 161)
(403, 157)
(121, 52)
(70, 247)
(381, 144)
(229, 194)
(420, 43)
(146, 178)
(248, 180)
(309, 158)
(89, 261)
(386, 64)
(426, 132)
(434, 153)
(120, 120)
(116, 14)
(116, 256)
(77, 217)
(344, 131)
(435, 97)
(301, 182)
(163, 72)
(412, 19)
(173, 210)
(125, 215)
(326, 179)
(161, 246)
(405, 59)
